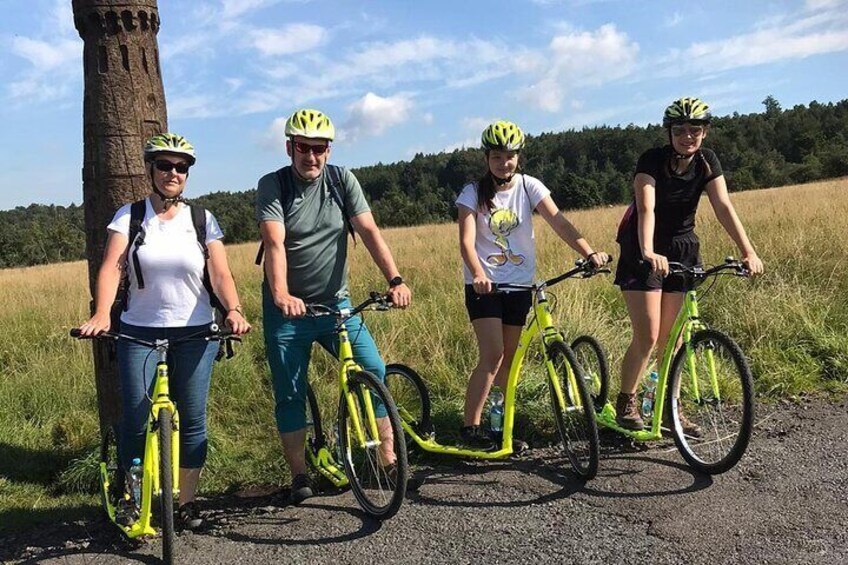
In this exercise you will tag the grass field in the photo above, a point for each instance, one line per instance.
(792, 324)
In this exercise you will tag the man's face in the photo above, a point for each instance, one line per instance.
(308, 155)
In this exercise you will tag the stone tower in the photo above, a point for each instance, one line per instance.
(124, 103)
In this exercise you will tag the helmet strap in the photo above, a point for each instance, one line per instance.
(166, 200)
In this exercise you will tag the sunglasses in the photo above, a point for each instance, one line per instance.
(694, 131)
(307, 148)
(167, 167)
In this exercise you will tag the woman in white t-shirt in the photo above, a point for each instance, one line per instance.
(498, 246)
(172, 303)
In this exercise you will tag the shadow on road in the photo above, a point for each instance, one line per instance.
(619, 466)
(264, 510)
(464, 473)
(87, 540)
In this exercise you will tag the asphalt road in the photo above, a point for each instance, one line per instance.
(786, 502)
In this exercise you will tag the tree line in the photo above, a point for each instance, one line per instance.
(583, 169)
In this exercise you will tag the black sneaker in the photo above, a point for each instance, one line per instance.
(476, 437)
(126, 512)
(519, 446)
(301, 489)
(189, 516)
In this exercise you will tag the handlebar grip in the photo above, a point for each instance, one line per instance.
(76, 332)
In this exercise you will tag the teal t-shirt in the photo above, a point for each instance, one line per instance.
(316, 235)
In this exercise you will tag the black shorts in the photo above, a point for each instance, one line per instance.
(632, 274)
(510, 307)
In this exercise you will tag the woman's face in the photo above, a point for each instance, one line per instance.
(502, 163)
(687, 138)
(170, 181)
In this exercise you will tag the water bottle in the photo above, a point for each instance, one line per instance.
(650, 387)
(496, 410)
(136, 472)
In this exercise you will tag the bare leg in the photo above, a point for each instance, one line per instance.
(671, 304)
(387, 441)
(294, 445)
(510, 344)
(645, 316)
(188, 484)
(490, 342)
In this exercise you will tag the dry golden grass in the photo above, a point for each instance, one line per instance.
(791, 323)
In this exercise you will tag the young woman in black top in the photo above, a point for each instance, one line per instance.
(658, 227)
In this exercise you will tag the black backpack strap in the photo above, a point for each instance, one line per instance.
(338, 192)
(286, 199)
(136, 236)
(198, 220)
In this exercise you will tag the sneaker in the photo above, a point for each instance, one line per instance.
(627, 412)
(189, 516)
(301, 489)
(126, 512)
(519, 446)
(476, 437)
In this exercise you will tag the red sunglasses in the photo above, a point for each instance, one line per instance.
(301, 147)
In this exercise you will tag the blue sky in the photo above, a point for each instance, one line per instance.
(400, 77)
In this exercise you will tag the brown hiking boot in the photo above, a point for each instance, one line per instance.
(627, 412)
(689, 427)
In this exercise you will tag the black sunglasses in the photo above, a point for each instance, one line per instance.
(167, 167)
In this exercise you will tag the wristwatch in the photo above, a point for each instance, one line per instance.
(397, 281)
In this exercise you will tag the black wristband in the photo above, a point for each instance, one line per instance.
(396, 281)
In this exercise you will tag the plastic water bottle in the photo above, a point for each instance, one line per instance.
(136, 472)
(496, 410)
(650, 387)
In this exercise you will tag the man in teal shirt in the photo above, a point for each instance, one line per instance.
(304, 233)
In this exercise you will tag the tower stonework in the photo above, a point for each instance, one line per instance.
(124, 104)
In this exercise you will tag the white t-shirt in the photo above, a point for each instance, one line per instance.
(505, 242)
(172, 267)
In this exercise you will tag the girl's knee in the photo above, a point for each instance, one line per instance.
(645, 341)
(491, 362)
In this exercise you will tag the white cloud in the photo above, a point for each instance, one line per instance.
(294, 38)
(469, 143)
(673, 20)
(55, 59)
(823, 4)
(236, 8)
(579, 59)
(477, 124)
(275, 136)
(46, 56)
(372, 114)
(802, 37)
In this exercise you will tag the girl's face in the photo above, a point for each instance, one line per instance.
(687, 138)
(502, 163)
(170, 181)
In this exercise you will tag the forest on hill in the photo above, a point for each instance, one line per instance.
(583, 169)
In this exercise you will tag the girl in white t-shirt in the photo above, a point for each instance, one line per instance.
(498, 246)
(173, 303)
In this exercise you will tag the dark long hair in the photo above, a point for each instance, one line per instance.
(486, 192)
(486, 187)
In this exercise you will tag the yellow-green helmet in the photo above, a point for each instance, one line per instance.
(310, 123)
(687, 110)
(503, 135)
(169, 143)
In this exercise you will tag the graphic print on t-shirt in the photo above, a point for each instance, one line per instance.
(502, 222)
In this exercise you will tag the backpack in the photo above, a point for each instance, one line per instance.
(136, 240)
(338, 192)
